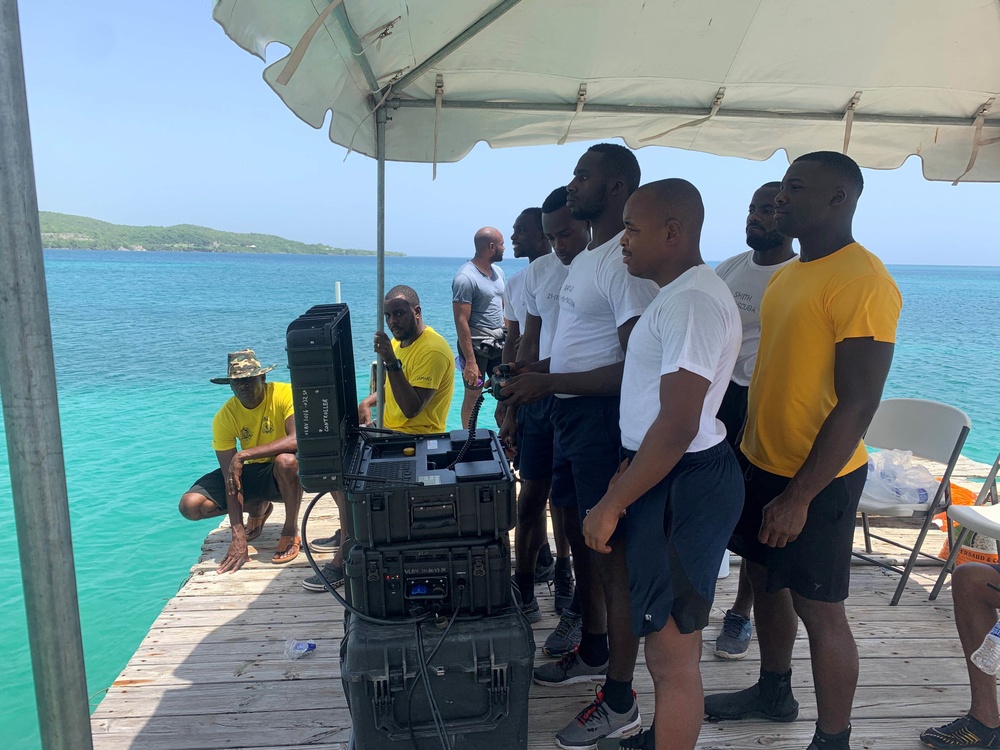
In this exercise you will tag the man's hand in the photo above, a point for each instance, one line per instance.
(783, 519)
(508, 434)
(602, 520)
(383, 348)
(500, 412)
(237, 556)
(471, 375)
(364, 414)
(526, 388)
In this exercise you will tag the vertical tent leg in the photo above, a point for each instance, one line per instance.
(381, 117)
(31, 418)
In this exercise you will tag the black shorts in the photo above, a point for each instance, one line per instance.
(677, 535)
(817, 565)
(534, 441)
(259, 485)
(587, 441)
(733, 411)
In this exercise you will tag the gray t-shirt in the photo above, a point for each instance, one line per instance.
(485, 294)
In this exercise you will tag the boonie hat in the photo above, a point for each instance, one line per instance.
(242, 364)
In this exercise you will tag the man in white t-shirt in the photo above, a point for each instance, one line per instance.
(599, 304)
(528, 429)
(528, 241)
(676, 459)
(747, 276)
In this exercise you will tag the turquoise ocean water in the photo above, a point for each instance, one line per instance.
(137, 335)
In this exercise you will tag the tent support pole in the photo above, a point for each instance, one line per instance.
(31, 419)
(381, 117)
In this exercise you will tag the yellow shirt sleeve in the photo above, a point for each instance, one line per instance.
(223, 431)
(867, 307)
(284, 406)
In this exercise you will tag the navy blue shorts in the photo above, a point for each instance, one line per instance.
(587, 441)
(677, 535)
(534, 441)
(733, 411)
(258, 481)
(817, 565)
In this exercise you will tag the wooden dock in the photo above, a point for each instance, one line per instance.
(211, 674)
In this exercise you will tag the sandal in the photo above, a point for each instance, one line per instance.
(288, 549)
(255, 524)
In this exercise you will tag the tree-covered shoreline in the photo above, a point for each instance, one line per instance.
(70, 232)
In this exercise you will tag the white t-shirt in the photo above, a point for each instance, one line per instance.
(693, 324)
(513, 298)
(597, 296)
(542, 282)
(747, 281)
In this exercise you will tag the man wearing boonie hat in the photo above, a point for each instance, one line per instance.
(263, 471)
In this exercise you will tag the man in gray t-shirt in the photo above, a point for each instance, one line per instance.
(477, 302)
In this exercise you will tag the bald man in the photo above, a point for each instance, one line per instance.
(477, 302)
(678, 364)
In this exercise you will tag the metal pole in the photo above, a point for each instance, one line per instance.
(381, 117)
(336, 292)
(31, 419)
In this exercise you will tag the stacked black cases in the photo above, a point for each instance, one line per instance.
(479, 677)
(428, 559)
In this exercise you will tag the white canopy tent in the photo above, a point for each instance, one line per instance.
(743, 78)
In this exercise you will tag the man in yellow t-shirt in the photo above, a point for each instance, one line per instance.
(264, 470)
(828, 329)
(419, 366)
(420, 381)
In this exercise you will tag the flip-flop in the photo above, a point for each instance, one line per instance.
(255, 524)
(288, 549)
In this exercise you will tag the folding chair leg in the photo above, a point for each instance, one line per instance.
(913, 557)
(868, 533)
(949, 565)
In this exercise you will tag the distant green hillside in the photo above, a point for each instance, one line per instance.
(82, 233)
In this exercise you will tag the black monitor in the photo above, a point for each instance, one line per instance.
(325, 394)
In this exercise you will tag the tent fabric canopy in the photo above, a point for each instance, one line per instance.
(727, 77)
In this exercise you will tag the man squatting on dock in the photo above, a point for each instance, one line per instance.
(264, 469)
(828, 323)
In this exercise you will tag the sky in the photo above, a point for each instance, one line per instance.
(147, 114)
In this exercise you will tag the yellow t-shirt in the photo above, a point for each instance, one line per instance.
(253, 427)
(807, 309)
(427, 363)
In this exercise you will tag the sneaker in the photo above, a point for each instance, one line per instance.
(734, 640)
(564, 589)
(965, 731)
(326, 544)
(597, 722)
(569, 670)
(333, 575)
(566, 637)
(770, 698)
(644, 740)
(531, 610)
(545, 567)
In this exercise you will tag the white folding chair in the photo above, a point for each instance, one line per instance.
(932, 431)
(981, 518)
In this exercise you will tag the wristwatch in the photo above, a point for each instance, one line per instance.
(395, 366)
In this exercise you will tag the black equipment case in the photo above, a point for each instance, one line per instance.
(434, 497)
(479, 676)
(476, 499)
(471, 576)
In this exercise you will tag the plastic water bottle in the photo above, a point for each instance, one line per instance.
(297, 649)
(987, 656)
